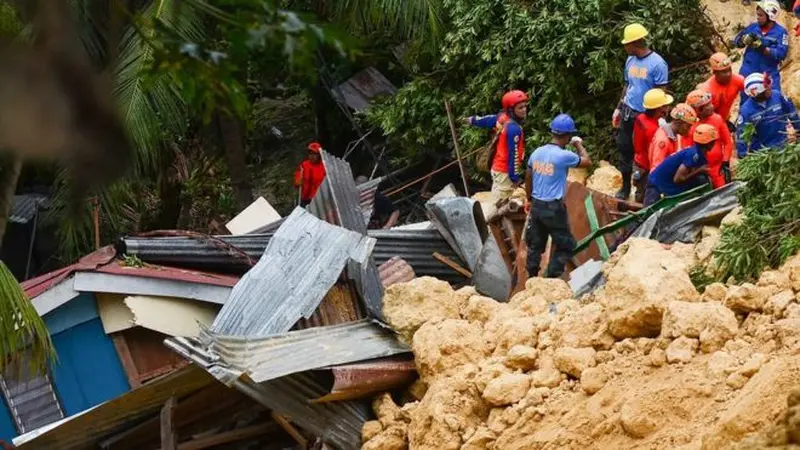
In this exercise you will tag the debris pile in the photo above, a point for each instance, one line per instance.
(606, 179)
(643, 362)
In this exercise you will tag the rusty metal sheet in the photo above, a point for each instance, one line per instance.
(396, 270)
(354, 381)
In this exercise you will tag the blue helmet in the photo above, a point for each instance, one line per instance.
(563, 124)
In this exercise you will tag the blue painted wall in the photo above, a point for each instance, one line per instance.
(8, 430)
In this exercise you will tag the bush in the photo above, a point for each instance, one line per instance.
(565, 53)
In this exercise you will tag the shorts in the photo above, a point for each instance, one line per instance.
(502, 186)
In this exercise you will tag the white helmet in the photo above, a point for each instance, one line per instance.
(771, 8)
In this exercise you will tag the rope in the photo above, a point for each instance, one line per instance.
(432, 173)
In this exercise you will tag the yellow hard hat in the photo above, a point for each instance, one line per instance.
(656, 98)
(633, 33)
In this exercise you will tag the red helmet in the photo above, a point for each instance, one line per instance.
(512, 98)
(314, 147)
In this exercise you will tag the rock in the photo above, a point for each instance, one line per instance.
(736, 380)
(573, 361)
(386, 410)
(644, 279)
(584, 327)
(745, 298)
(483, 439)
(788, 332)
(792, 311)
(722, 363)
(658, 357)
(635, 420)
(734, 217)
(418, 389)
(682, 350)
(522, 357)
(778, 302)
(504, 331)
(606, 179)
(752, 366)
(507, 389)
(551, 289)
(481, 309)
(547, 376)
(712, 322)
(462, 296)
(578, 175)
(715, 292)
(709, 239)
(774, 278)
(441, 347)
(407, 306)
(370, 429)
(592, 380)
(392, 438)
(791, 268)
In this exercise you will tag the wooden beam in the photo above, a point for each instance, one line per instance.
(169, 440)
(226, 437)
(451, 264)
(289, 428)
(126, 359)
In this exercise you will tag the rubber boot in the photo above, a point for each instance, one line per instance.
(625, 192)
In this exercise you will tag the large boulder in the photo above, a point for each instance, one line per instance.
(406, 306)
(745, 298)
(442, 347)
(712, 323)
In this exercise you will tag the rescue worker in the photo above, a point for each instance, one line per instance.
(310, 174)
(508, 155)
(719, 167)
(683, 170)
(546, 181)
(385, 213)
(768, 112)
(767, 43)
(644, 70)
(724, 86)
(670, 137)
(656, 104)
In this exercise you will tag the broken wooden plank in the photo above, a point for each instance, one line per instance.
(226, 437)
(289, 428)
(451, 264)
(169, 439)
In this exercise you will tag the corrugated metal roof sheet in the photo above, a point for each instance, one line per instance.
(358, 91)
(417, 248)
(301, 263)
(338, 424)
(395, 270)
(83, 430)
(367, 197)
(25, 206)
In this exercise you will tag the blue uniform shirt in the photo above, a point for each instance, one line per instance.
(549, 165)
(769, 119)
(776, 40)
(643, 74)
(663, 177)
(513, 138)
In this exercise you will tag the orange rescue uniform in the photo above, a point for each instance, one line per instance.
(665, 142)
(722, 150)
(723, 95)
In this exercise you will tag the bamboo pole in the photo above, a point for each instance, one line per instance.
(455, 143)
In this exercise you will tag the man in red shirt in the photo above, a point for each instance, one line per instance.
(656, 103)
(309, 176)
(719, 169)
(669, 137)
(724, 86)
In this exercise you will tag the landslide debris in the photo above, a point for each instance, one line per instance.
(644, 362)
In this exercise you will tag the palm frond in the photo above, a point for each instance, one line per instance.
(410, 19)
(21, 326)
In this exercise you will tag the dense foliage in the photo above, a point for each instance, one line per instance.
(770, 231)
(565, 53)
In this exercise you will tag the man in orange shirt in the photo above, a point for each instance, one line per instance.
(309, 176)
(719, 169)
(670, 136)
(724, 86)
(656, 104)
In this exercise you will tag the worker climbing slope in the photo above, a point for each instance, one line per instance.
(309, 176)
(724, 86)
(644, 70)
(546, 181)
(670, 137)
(656, 104)
(767, 112)
(683, 170)
(766, 43)
(719, 168)
(508, 155)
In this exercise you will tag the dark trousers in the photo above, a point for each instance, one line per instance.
(625, 146)
(651, 195)
(640, 181)
(548, 219)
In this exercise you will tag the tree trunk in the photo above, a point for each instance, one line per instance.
(8, 185)
(232, 131)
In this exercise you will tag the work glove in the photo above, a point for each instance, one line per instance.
(576, 140)
(616, 118)
(726, 171)
(731, 126)
(756, 44)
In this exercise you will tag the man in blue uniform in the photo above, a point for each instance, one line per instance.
(767, 43)
(546, 181)
(644, 70)
(683, 170)
(767, 111)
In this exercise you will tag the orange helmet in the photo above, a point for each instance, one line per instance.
(698, 98)
(705, 133)
(512, 98)
(719, 61)
(684, 112)
(314, 147)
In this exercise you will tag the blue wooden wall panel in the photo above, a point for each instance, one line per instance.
(88, 371)
(8, 430)
(82, 308)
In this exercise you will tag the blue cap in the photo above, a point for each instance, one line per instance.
(563, 124)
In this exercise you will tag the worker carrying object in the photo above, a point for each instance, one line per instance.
(656, 104)
(671, 137)
(507, 156)
(309, 176)
(719, 157)
(644, 70)
(724, 86)
(768, 112)
(683, 170)
(546, 181)
(766, 43)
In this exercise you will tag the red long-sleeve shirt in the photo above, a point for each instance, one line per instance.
(309, 177)
(722, 150)
(644, 128)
